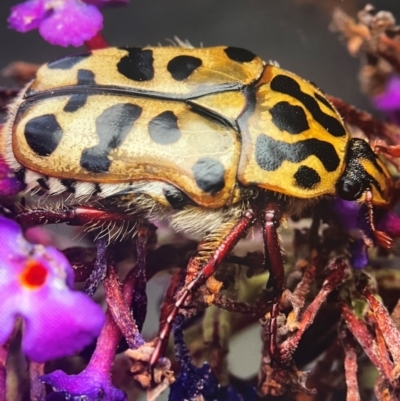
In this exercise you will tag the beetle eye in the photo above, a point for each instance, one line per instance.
(349, 190)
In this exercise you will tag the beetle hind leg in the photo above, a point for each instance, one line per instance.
(209, 255)
(114, 224)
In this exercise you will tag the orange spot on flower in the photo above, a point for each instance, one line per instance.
(34, 275)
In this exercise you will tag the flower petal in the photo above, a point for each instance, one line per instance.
(71, 24)
(60, 323)
(27, 16)
(36, 283)
(390, 99)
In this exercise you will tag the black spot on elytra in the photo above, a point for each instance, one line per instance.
(86, 77)
(209, 175)
(270, 153)
(289, 118)
(181, 67)
(112, 127)
(43, 134)
(176, 198)
(324, 101)
(240, 55)
(78, 100)
(137, 64)
(288, 86)
(163, 129)
(43, 184)
(69, 185)
(75, 102)
(306, 177)
(67, 62)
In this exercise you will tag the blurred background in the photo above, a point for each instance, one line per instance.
(293, 32)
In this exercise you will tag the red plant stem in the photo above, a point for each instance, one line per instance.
(298, 297)
(38, 389)
(97, 42)
(339, 269)
(139, 302)
(119, 309)
(372, 127)
(274, 263)
(363, 336)
(385, 325)
(381, 344)
(350, 367)
(389, 50)
(110, 336)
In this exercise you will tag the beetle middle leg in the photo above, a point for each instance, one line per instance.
(210, 254)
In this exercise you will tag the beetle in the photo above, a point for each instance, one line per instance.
(214, 139)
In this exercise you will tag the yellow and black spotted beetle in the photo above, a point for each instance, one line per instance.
(214, 139)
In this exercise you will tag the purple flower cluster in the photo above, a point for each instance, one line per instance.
(352, 218)
(193, 382)
(9, 185)
(36, 284)
(389, 100)
(60, 22)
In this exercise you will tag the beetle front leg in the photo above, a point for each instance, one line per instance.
(274, 263)
(217, 251)
(383, 239)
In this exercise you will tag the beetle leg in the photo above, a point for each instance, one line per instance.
(75, 216)
(274, 263)
(384, 240)
(216, 252)
(380, 146)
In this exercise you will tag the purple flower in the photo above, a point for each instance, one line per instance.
(36, 284)
(352, 217)
(389, 100)
(88, 386)
(193, 381)
(9, 185)
(347, 212)
(358, 253)
(390, 224)
(60, 22)
(93, 383)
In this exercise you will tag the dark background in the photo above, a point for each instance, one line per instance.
(293, 32)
